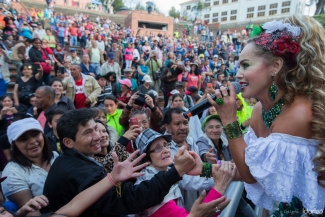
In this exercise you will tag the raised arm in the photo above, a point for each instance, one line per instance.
(237, 146)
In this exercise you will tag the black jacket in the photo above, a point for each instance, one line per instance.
(35, 55)
(65, 104)
(73, 172)
(53, 142)
(169, 82)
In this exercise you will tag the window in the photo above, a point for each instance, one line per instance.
(223, 18)
(272, 12)
(188, 7)
(234, 1)
(216, 3)
(233, 12)
(206, 4)
(215, 20)
(250, 15)
(285, 10)
(224, 13)
(233, 18)
(224, 1)
(285, 4)
(206, 21)
(250, 9)
(273, 5)
(261, 14)
(215, 14)
(207, 16)
(261, 8)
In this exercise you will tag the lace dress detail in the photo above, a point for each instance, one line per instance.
(283, 168)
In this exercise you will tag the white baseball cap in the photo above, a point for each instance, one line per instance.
(18, 128)
(173, 92)
(147, 79)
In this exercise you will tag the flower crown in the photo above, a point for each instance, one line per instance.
(279, 37)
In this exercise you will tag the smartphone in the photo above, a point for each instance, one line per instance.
(209, 85)
(36, 67)
(61, 69)
(134, 121)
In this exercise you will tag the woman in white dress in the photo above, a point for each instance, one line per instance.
(281, 158)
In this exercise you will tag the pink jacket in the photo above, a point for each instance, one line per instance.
(171, 209)
(128, 53)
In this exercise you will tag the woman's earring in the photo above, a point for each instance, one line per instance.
(273, 89)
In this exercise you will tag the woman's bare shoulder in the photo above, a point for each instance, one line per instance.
(295, 119)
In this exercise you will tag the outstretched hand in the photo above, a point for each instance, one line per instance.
(207, 209)
(128, 168)
(33, 205)
(197, 170)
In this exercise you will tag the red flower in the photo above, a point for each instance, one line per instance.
(294, 47)
(280, 46)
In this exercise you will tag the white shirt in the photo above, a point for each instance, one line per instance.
(19, 178)
(101, 45)
(40, 33)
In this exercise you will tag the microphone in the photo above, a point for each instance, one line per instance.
(198, 108)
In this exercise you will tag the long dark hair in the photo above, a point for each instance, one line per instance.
(109, 135)
(196, 72)
(23, 161)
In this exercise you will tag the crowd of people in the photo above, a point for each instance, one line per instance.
(95, 125)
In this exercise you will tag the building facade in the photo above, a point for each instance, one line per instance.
(240, 11)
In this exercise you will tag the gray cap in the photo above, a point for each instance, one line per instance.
(148, 136)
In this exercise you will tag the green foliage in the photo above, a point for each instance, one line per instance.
(117, 4)
(174, 13)
(199, 6)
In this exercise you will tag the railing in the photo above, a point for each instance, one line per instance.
(234, 192)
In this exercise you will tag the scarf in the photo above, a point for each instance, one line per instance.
(174, 192)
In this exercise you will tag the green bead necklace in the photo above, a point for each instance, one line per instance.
(270, 115)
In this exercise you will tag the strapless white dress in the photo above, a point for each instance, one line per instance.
(282, 166)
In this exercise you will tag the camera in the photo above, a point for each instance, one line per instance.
(141, 100)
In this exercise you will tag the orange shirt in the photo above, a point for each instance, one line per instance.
(73, 31)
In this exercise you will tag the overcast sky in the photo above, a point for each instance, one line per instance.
(165, 5)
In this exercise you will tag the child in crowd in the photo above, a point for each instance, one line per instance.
(128, 56)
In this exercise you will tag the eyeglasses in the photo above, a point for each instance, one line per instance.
(160, 148)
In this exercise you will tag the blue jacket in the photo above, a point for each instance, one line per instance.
(85, 70)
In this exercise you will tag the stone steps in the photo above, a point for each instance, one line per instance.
(117, 18)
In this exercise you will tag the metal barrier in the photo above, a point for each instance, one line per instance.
(234, 192)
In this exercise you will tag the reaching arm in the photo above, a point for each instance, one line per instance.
(86, 198)
(39, 74)
(21, 198)
(16, 95)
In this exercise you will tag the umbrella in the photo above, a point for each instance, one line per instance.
(150, 3)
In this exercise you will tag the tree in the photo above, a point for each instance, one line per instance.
(174, 13)
(117, 4)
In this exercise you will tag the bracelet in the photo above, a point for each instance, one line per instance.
(233, 130)
(206, 170)
(115, 183)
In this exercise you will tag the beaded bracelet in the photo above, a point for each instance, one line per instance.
(206, 170)
(115, 183)
(233, 130)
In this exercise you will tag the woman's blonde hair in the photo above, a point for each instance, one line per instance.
(304, 75)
